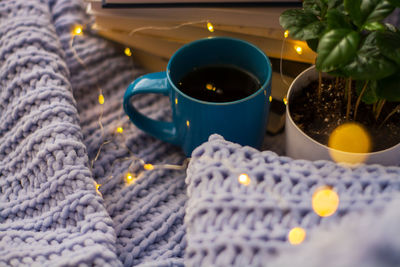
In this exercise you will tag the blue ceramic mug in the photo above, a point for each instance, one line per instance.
(193, 120)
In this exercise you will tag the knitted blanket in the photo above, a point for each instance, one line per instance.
(64, 200)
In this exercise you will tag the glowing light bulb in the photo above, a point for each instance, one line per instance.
(350, 137)
(299, 49)
(210, 87)
(210, 27)
(101, 99)
(270, 98)
(128, 52)
(325, 201)
(120, 130)
(129, 178)
(296, 236)
(148, 167)
(350, 143)
(286, 34)
(244, 179)
(78, 30)
(285, 101)
(97, 188)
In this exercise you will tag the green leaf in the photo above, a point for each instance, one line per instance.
(370, 95)
(302, 25)
(312, 6)
(388, 43)
(336, 19)
(374, 26)
(375, 10)
(336, 48)
(313, 30)
(313, 44)
(353, 8)
(389, 88)
(363, 12)
(337, 73)
(396, 3)
(317, 7)
(369, 63)
(334, 4)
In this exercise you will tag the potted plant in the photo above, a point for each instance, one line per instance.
(355, 81)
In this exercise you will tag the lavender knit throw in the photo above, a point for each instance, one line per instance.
(51, 214)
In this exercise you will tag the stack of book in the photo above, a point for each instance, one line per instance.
(155, 29)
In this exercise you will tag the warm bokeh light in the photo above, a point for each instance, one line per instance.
(187, 123)
(210, 87)
(128, 52)
(176, 101)
(78, 30)
(349, 137)
(325, 201)
(285, 100)
(101, 99)
(286, 34)
(244, 179)
(296, 236)
(210, 27)
(148, 167)
(299, 49)
(270, 98)
(120, 130)
(129, 178)
(97, 188)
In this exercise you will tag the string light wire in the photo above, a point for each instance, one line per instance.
(286, 34)
(78, 31)
(168, 28)
(130, 176)
(120, 131)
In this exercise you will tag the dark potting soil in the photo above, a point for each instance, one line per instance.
(318, 118)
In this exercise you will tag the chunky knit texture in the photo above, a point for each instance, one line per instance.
(231, 224)
(368, 240)
(50, 211)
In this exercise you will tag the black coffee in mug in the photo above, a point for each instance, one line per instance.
(219, 83)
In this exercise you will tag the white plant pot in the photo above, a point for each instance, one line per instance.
(301, 146)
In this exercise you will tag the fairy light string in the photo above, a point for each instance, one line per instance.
(295, 236)
(285, 35)
(324, 202)
(209, 26)
(129, 177)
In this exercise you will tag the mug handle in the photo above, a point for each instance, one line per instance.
(150, 83)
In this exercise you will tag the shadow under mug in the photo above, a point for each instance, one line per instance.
(193, 121)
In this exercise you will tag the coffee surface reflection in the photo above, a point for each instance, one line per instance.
(218, 83)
